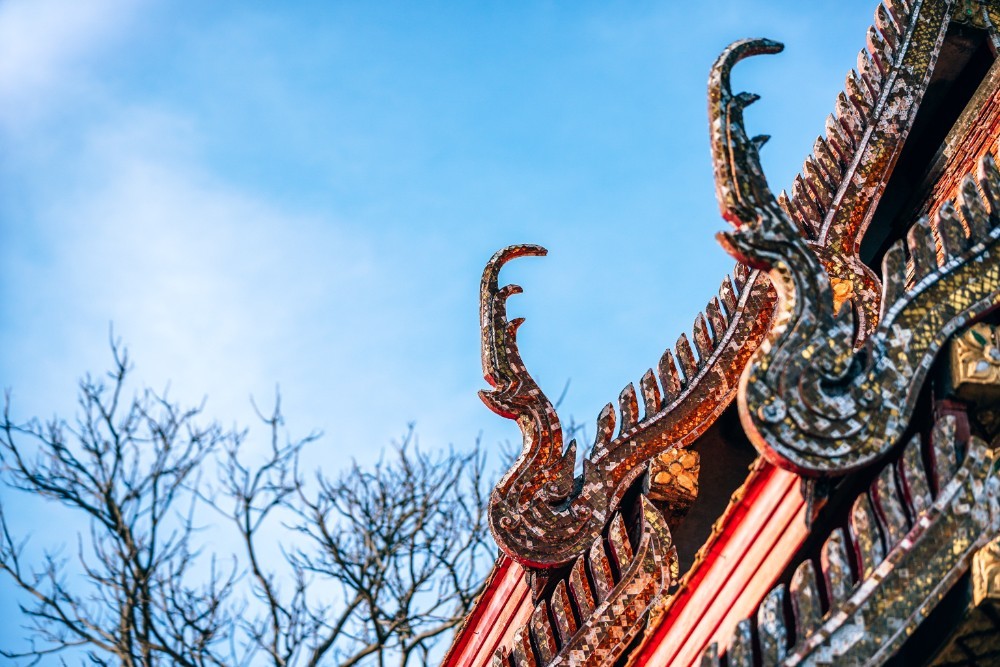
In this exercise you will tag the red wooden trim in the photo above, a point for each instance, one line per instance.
(489, 637)
(495, 610)
(759, 535)
(757, 538)
(752, 578)
(694, 593)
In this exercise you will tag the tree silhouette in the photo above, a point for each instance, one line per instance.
(376, 564)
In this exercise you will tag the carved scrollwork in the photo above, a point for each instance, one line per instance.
(540, 515)
(627, 587)
(974, 364)
(811, 402)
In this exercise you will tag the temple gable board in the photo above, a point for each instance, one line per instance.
(842, 394)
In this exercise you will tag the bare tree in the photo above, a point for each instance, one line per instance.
(403, 542)
(133, 596)
(375, 566)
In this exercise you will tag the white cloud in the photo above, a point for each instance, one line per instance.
(209, 280)
(222, 292)
(44, 42)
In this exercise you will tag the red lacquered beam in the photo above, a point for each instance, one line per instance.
(768, 567)
(759, 535)
(504, 606)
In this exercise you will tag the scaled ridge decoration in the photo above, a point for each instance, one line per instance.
(808, 400)
(540, 515)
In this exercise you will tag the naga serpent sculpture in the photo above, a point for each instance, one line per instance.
(808, 400)
(544, 517)
(539, 513)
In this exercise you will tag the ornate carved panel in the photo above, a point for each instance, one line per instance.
(593, 614)
(900, 579)
(974, 362)
(809, 401)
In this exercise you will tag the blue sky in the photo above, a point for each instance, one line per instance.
(305, 194)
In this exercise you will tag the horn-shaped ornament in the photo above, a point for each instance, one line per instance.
(808, 400)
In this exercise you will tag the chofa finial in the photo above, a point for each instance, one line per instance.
(739, 180)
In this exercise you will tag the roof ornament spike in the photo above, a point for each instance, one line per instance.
(739, 180)
(828, 162)
(652, 400)
(669, 376)
(886, 25)
(717, 319)
(515, 395)
(805, 199)
(857, 94)
(841, 143)
(869, 74)
(628, 406)
(880, 51)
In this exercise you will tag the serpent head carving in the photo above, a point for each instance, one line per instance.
(529, 512)
(808, 399)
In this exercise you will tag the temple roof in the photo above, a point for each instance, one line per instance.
(794, 461)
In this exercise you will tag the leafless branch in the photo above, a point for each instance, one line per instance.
(126, 466)
(376, 565)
